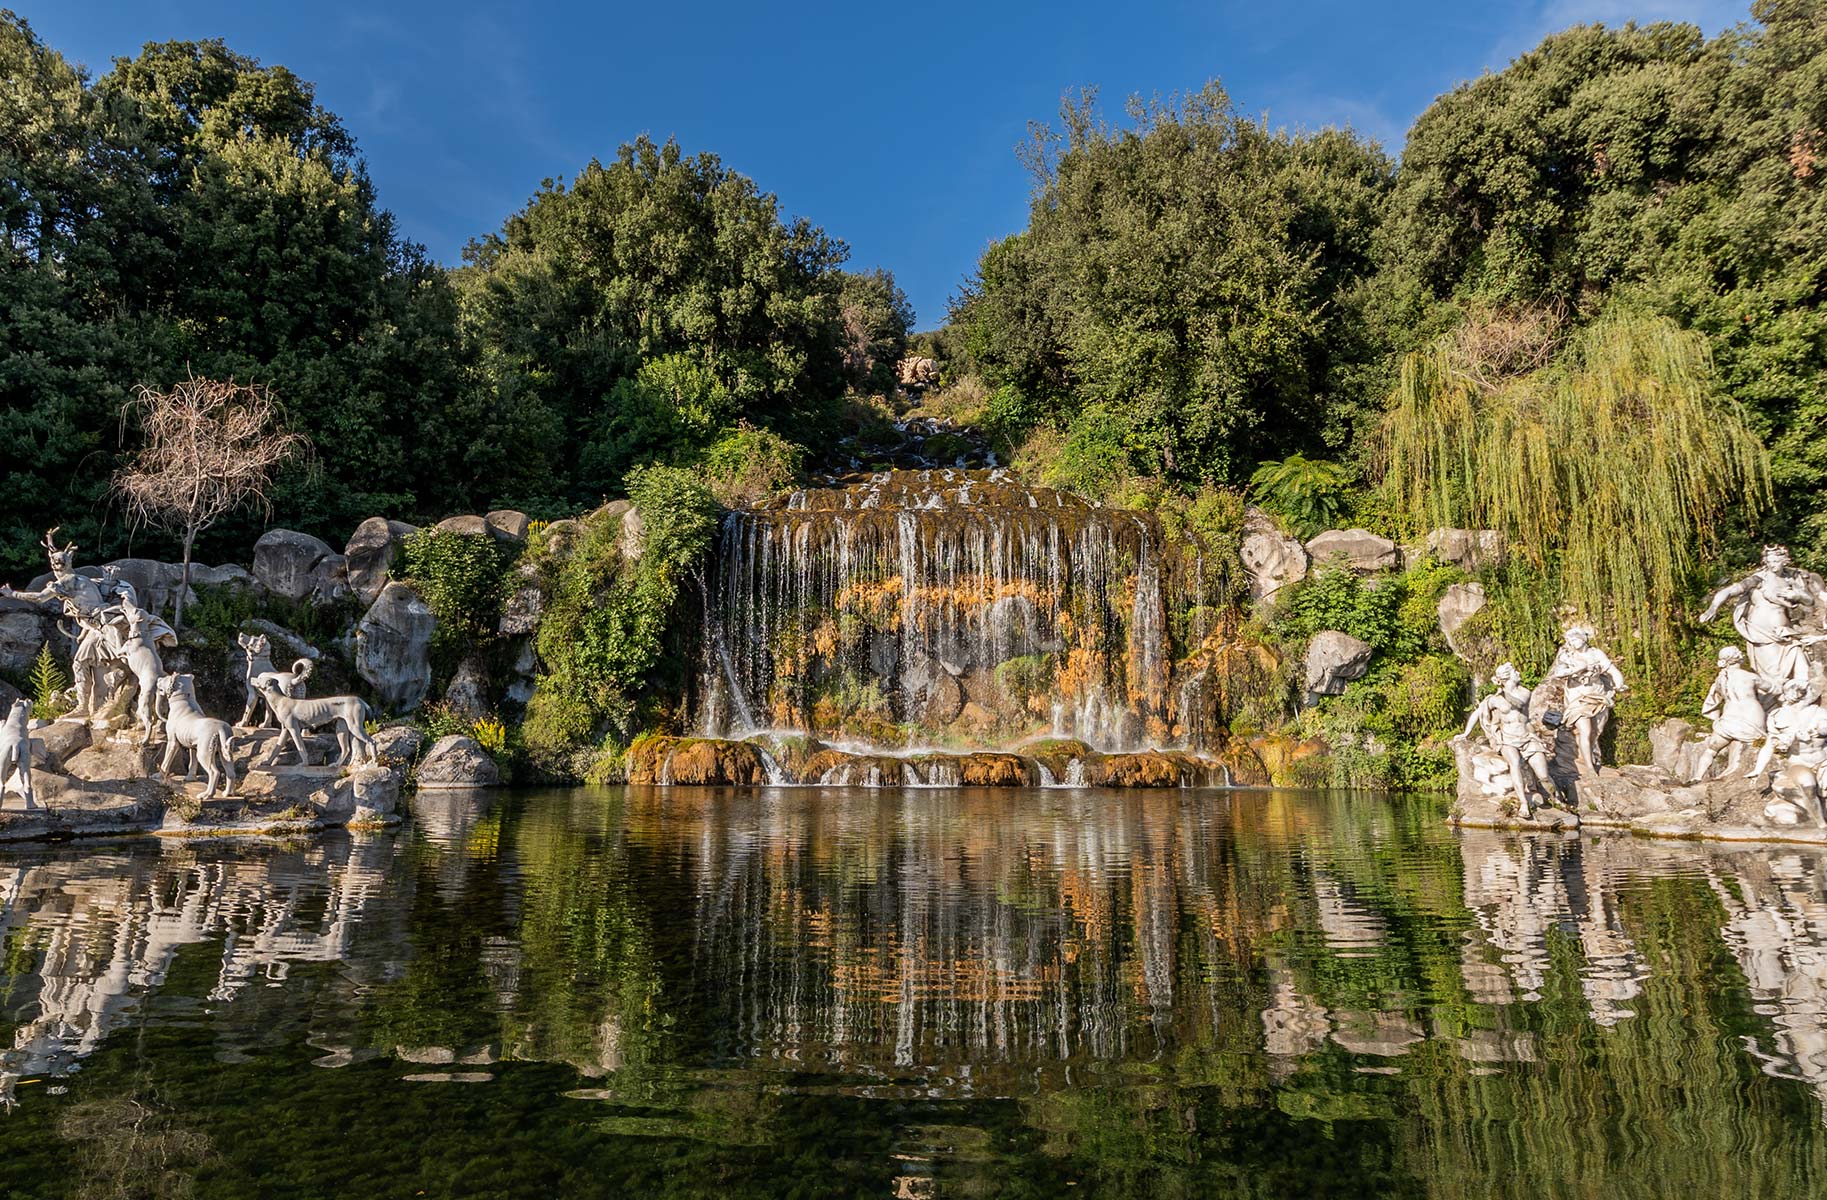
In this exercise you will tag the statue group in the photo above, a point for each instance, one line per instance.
(116, 656)
(1768, 692)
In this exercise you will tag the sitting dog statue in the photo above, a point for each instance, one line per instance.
(16, 751)
(259, 652)
(209, 741)
(297, 717)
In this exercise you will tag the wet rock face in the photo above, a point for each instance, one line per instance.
(695, 761)
(1334, 659)
(370, 554)
(1358, 549)
(298, 566)
(394, 647)
(457, 761)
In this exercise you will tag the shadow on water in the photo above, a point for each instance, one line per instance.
(810, 992)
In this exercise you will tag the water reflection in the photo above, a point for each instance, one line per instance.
(1112, 986)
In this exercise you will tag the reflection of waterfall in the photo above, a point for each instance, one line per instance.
(921, 604)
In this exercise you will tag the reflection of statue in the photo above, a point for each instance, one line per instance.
(1735, 705)
(1591, 681)
(1503, 718)
(1764, 611)
(1798, 731)
(102, 629)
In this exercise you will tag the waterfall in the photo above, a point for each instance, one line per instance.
(938, 607)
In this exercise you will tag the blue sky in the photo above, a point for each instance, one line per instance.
(893, 128)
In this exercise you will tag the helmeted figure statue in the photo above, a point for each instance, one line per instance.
(1769, 607)
(1591, 682)
(100, 609)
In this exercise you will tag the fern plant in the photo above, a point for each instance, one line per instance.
(48, 683)
(1309, 493)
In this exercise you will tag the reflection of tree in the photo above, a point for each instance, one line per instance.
(128, 1146)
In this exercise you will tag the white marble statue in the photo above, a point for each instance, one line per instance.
(208, 742)
(1503, 718)
(1592, 683)
(103, 632)
(1735, 704)
(16, 752)
(258, 651)
(1796, 730)
(1770, 608)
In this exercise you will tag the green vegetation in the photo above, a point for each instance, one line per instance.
(47, 682)
(462, 576)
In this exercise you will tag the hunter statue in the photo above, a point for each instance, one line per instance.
(112, 634)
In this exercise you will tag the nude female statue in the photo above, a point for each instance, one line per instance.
(1765, 607)
(1592, 682)
(1735, 703)
(1503, 717)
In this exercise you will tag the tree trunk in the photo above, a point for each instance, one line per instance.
(177, 616)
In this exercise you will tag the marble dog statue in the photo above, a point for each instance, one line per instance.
(16, 751)
(349, 714)
(209, 741)
(259, 652)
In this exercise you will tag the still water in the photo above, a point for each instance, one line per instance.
(806, 992)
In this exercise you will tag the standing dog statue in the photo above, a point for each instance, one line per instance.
(349, 714)
(16, 751)
(259, 652)
(209, 741)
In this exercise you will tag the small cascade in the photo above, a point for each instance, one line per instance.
(1075, 773)
(938, 606)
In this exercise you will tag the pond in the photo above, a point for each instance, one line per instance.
(818, 992)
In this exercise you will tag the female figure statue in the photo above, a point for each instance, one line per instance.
(1503, 717)
(1735, 703)
(1592, 682)
(1766, 605)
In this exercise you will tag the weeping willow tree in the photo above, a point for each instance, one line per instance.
(1606, 460)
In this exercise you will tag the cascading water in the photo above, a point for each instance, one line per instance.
(940, 607)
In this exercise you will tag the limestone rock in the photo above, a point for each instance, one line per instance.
(370, 554)
(298, 566)
(1358, 549)
(934, 695)
(1674, 748)
(457, 761)
(508, 525)
(699, 761)
(561, 537)
(469, 525)
(632, 528)
(1334, 659)
(394, 647)
(375, 791)
(1467, 549)
(23, 629)
(398, 743)
(524, 606)
(61, 739)
(1273, 559)
(1458, 604)
(917, 371)
(467, 694)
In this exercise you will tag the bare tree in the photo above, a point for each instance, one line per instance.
(211, 446)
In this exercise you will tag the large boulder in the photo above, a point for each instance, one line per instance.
(1459, 604)
(1334, 659)
(1272, 558)
(298, 566)
(370, 554)
(398, 744)
(1467, 549)
(1358, 549)
(457, 761)
(508, 525)
(468, 525)
(467, 694)
(393, 647)
(23, 630)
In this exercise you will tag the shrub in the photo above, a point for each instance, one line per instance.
(749, 463)
(462, 577)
